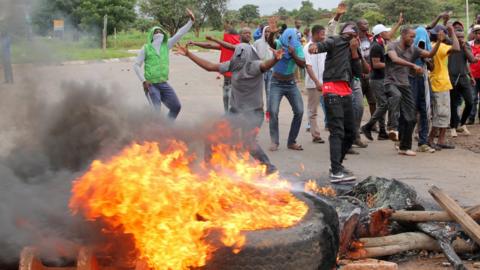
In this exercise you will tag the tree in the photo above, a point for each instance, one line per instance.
(282, 13)
(374, 17)
(248, 13)
(170, 14)
(307, 13)
(232, 16)
(418, 12)
(205, 9)
(121, 13)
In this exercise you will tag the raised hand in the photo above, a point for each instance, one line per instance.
(401, 20)
(354, 43)
(341, 8)
(182, 50)
(441, 36)
(191, 15)
(278, 54)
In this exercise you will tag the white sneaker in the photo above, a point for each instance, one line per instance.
(393, 135)
(453, 133)
(463, 129)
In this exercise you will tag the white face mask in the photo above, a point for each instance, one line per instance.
(158, 36)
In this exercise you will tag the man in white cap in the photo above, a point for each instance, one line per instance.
(387, 100)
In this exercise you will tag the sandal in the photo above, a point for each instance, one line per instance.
(296, 147)
(273, 147)
(318, 140)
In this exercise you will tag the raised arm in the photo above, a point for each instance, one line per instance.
(182, 31)
(396, 26)
(272, 25)
(205, 64)
(268, 64)
(431, 54)
(455, 43)
(332, 24)
(444, 15)
(222, 43)
(205, 45)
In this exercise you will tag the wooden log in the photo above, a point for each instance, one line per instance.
(427, 216)
(394, 244)
(468, 224)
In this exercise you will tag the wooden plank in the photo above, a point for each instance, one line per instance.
(469, 225)
(427, 216)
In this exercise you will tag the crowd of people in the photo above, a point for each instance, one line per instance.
(410, 77)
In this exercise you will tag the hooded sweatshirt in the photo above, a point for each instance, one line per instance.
(247, 79)
(262, 46)
(421, 36)
(155, 55)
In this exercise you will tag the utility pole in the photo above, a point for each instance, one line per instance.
(104, 33)
(467, 10)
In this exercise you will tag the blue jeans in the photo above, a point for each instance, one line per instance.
(267, 77)
(163, 93)
(289, 89)
(475, 108)
(418, 91)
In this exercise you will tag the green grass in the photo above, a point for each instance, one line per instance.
(45, 50)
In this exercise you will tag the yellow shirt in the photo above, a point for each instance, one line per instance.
(439, 77)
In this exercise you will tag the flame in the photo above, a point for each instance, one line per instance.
(171, 209)
(311, 186)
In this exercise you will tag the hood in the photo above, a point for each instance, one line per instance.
(263, 32)
(244, 53)
(289, 38)
(150, 34)
(422, 36)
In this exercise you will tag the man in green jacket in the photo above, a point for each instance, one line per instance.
(155, 56)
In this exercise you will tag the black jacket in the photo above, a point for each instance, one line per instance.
(339, 65)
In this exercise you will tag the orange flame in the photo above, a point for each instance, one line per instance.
(311, 186)
(171, 210)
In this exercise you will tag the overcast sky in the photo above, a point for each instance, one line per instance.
(267, 7)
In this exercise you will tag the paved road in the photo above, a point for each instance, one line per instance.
(456, 171)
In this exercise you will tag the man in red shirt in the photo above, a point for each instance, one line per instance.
(475, 70)
(232, 37)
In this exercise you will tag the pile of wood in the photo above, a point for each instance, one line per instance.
(429, 230)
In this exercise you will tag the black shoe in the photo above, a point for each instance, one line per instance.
(434, 146)
(383, 136)
(352, 152)
(446, 146)
(367, 132)
(470, 122)
(341, 177)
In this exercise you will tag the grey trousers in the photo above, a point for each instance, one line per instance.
(388, 99)
(357, 102)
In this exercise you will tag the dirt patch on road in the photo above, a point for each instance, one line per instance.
(471, 142)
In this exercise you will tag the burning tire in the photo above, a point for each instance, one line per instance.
(311, 244)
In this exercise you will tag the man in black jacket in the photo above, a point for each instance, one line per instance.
(343, 60)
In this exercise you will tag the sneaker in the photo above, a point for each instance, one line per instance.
(382, 136)
(434, 146)
(393, 135)
(341, 177)
(318, 140)
(360, 143)
(367, 132)
(424, 148)
(446, 146)
(463, 129)
(453, 133)
(408, 152)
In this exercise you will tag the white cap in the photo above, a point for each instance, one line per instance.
(380, 28)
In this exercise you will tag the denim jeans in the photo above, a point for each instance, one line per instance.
(163, 93)
(289, 89)
(386, 101)
(342, 128)
(462, 88)
(407, 120)
(267, 77)
(227, 93)
(476, 105)
(357, 102)
(418, 90)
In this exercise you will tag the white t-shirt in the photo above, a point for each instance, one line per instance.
(317, 62)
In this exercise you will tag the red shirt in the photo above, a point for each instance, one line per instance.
(340, 88)
(475, 68)
(226, 54)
